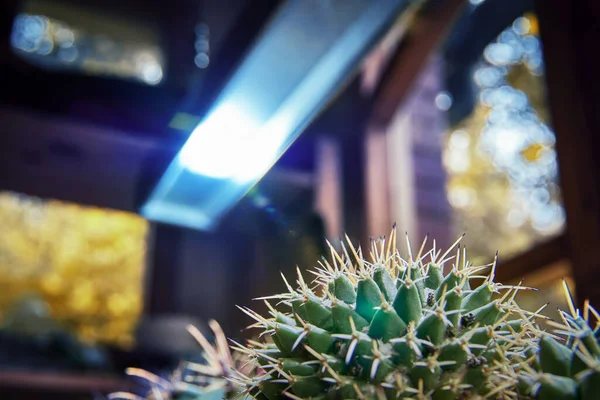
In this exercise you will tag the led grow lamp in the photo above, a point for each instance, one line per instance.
(305, 53)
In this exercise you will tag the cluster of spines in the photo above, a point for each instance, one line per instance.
(568, 363)
(211, 380)
(346, 337)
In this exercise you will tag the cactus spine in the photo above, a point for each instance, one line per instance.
(568, 363)
(210, 380)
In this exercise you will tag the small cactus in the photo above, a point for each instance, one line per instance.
(192, 381)
(568, 363)
(391, 327)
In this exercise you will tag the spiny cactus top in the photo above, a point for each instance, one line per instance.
(568, 365)
(390, 327)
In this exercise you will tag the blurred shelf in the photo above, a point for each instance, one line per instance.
(285, 187)
(59, 382)
(288, 176)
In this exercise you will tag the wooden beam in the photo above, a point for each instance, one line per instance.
(533, 260)
(424, 37)
(569, 33)
(347, 118)
(164, 270)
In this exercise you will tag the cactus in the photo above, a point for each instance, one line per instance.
(391, 328)
(192, 381)
(568, 363)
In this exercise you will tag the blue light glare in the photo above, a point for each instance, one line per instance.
(230, 144)
(302, 58)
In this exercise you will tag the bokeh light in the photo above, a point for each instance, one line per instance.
(443, 101)
(51, 43)
(202, 46)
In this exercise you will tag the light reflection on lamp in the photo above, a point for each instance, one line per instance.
(216, 147)
(303, 56)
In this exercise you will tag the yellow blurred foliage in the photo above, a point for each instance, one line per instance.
(534, 28)
(87, 263)
(533, 152)
(484, 217)
(481, 192)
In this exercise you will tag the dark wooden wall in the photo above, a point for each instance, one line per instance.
(570, 32)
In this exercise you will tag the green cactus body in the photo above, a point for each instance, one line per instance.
(567, 365)
(391, 328)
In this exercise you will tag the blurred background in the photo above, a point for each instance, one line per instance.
(453, 116)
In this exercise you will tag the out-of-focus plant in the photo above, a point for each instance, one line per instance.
(86, 263)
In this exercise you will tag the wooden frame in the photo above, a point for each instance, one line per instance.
(569, 32)
(539, 256)
(422, 40)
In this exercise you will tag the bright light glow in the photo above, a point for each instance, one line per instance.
(461, 197)
(457, 162)
(151, 73)
(232, 145)
(516, 217)
(522, 25)
(459, 140)
(488, 76)
(201, 60)
(216, 145)
(28, 32)
(260, 151)
(500, 54)
(149, 69)
(509, 141)
(65, 37)
(281, 85)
